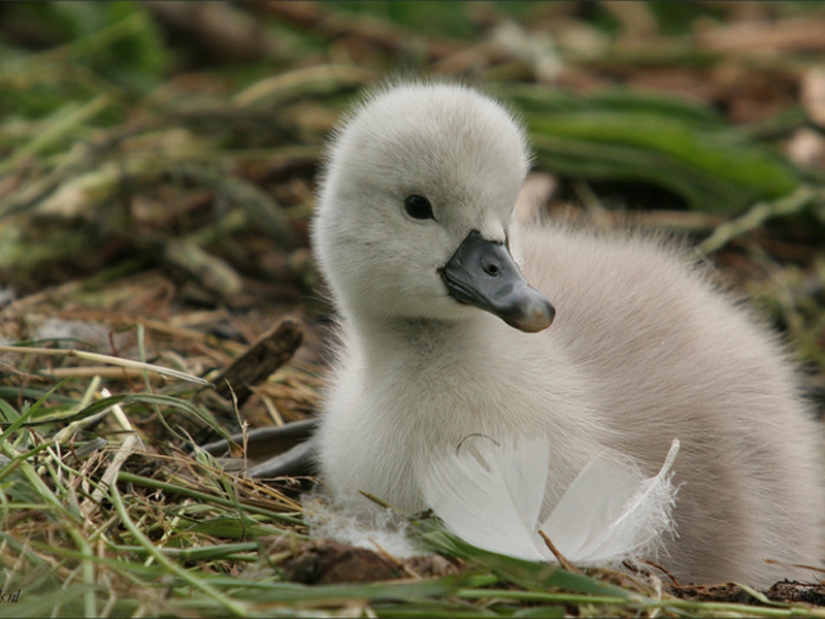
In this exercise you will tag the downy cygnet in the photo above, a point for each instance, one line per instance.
(446, 304)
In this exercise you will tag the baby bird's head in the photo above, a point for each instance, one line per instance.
(415, 206)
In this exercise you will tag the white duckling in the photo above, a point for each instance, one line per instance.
(416, 237)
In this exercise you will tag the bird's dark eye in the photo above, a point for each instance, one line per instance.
(418, 207)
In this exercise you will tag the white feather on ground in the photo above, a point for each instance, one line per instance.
(491, 495)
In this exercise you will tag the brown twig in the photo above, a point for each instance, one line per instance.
(559, 557)
(267, 354)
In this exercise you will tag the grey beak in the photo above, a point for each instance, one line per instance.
(484, 274)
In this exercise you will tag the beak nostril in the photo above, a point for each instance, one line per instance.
(483, 273)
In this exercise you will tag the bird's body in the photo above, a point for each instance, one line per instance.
(644, 348)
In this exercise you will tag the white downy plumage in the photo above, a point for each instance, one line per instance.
(416, 237)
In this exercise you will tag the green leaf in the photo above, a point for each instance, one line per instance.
(684, 148)
(527, 574)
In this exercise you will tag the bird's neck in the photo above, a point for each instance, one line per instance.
(420, 339)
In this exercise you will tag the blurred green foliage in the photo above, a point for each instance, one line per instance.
(84, 49)
(686, 148)
(431, 17)
(90, 45)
